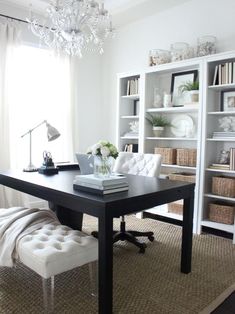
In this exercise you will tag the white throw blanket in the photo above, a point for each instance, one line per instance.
(16, 222)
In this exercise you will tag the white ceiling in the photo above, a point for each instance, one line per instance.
(123, 11)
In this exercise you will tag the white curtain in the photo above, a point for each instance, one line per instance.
(9, 38)
(35, 85)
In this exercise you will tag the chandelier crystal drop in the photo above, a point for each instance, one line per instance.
(74, 26)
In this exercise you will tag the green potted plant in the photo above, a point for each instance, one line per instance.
(192, 88)
(158, 123)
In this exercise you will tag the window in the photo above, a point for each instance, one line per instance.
(40, 90)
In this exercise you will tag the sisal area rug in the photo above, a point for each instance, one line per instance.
(143, 283)
(219, 304)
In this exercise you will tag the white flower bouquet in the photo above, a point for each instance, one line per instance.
(103, 149)
(104, 154)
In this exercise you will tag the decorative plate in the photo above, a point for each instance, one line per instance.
(182, 126)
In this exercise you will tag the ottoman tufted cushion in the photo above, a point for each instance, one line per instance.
(55, 248)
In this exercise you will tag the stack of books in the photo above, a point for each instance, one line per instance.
(132, 87)
(224, 73)
(223, 134)
(220, 166)
(102, 186)
(131, 148)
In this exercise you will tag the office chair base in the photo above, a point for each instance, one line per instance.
(130, 236)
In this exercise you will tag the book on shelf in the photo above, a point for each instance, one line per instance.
(100, 182)
(233, 72)
(224, 73)
(230, 70)
(215, 79)
(99, 191)
(232, 158)
(131, 148)
(132, 87)
(128, 88)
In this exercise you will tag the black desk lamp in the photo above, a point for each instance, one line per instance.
(52, 134)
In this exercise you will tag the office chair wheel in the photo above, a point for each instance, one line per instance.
(142, 250)
(95, 234)
(142, 247)
(151, 238)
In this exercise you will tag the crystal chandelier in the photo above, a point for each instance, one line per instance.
(74, 26)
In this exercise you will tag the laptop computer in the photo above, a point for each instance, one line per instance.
(86, 163)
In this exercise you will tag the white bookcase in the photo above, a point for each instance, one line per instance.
(128, 111)
(211, 147)
(204, 114)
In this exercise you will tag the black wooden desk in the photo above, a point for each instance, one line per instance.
(144, 193)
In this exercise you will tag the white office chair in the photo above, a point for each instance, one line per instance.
(138, 164)
(142, 165)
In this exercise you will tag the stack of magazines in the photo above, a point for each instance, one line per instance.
(102, 186)
(223, 134)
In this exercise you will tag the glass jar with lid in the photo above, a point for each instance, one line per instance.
(179, 51)
(157, 97)
(206, 45)
(159, 56)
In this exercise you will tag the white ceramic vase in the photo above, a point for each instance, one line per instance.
(194, 94)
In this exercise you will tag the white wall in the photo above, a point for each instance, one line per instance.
(88, 128)
(129, 50)
(95, 95)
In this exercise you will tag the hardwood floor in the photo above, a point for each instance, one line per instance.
(227, 307)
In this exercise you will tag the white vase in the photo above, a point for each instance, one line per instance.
(103, 166)
(194, 94)
(157, 130)
(167, 101)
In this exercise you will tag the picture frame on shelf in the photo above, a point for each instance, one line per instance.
(178, 79)
(228, 100)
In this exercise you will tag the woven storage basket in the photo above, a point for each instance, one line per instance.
(176, 207)
(224, 186)
(221, 213)
(168, 154)
(182, 176)
(186, 157)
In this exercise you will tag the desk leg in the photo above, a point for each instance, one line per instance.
(105, 265)
(187, 234)
(67, 216)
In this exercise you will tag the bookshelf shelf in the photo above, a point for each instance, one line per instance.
(221, 113)
(129, 117)
(220, 170)
(222, 87)
(170, 138)
(218, 197)
(132, 97)
(129, 137)
(219, 226)
(222, 139)
(172, 110)
(178, 167)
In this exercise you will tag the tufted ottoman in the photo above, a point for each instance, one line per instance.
(54, 249)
